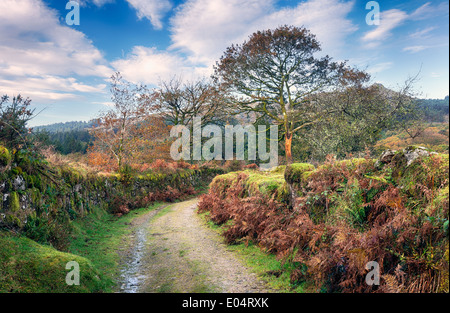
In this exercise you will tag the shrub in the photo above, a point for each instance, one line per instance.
(251, 166)
(159, 164)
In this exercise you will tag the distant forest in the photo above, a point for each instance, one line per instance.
(68, 137)
(436, 110)
(74, 137)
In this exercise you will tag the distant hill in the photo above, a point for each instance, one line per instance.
(64, 127)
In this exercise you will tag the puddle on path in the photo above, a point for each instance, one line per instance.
(130, 277)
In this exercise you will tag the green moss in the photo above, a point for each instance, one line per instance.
(354, 163)
(13, 220)
(283, 193)
(13, 202)
(265, 182)
(293, 172)
(222, 182)
(431, 171)
(306, 175)
(17, 170)
(5, 156)
(27, 266)
(279, 169)
(439, 203)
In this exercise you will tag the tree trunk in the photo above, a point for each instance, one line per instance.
(287, 145)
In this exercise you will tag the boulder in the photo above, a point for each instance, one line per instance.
(411, 153)
(386, 156)
(407, 155)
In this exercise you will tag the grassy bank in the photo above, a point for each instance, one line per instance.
(96, 243)
(26, 266)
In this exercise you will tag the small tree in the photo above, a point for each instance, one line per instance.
(13, 121)
(117, 132)
(275, 73)
(362, 113)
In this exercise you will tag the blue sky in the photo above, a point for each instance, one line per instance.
(65, 69)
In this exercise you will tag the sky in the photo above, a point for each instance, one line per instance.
(65, 68)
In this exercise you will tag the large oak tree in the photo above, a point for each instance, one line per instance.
(275, 73)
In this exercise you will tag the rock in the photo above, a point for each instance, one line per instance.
(411, 153)
(386, 156)
(77, 188)
(19, 183)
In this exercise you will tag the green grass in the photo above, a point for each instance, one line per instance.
(26, 266)
(99, 236)
(265, 265)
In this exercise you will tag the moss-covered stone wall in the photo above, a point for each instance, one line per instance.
(30, 188)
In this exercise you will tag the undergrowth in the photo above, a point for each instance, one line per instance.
(346, 214)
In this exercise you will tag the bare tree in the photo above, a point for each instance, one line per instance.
(118, 131)
(179, 102)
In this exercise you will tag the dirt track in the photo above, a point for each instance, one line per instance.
(173, 250)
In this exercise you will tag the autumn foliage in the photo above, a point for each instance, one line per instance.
(346, 214)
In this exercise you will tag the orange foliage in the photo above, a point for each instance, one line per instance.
(100, 160)
(433, 137)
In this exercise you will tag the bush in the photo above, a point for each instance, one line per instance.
(233, 165)
(251, 166)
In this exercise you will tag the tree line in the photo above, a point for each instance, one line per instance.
(321, 106)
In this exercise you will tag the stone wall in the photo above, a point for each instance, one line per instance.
(34, 188)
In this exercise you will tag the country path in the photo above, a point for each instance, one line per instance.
(174, 250)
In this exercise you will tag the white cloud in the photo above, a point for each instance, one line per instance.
(422, 33)
(435, 75)
(389, 20)
(153, 10)
(203, 28)
(414, 49)
(98, 3)
(108, 104)
(150, 66)
(44, 88)
(379, 67)
(427, 10)
(39, 55)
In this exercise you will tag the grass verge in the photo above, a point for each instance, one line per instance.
(101, 237)
(271, 270)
